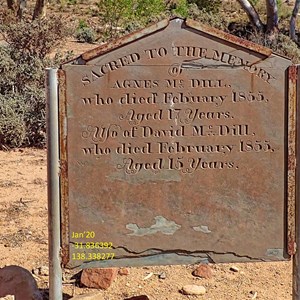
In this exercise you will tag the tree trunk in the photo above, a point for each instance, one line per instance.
(252, 14)
(293, 21)
(40, 9)
(272, 16)
(10, 4)
(21, 7)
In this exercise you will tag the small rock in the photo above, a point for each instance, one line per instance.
(43, 271)
(35, 271)
(192, 289)
(253, 295)
(142, 297)
(8, 297)
(98, 278)
(90, 296)
(203, 271)
(162, 275)
(234, 269)
(123, 271)
(148, 276)
(19, 282)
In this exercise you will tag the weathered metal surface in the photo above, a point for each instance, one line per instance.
(53, 179)
(63, 167)
(291, 180)
(228, 37)
(296, 259)
(177, 151)
(123, 41)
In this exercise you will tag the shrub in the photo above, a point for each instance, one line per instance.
(180, 8)
(12, 121)
(219, 21)
(84, 33)
(282, 45)
(37, 38)
(22, 93)
(212, 6)
(117, 15)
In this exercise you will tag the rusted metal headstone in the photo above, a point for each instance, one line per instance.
(176, 145)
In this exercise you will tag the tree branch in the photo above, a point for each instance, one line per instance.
(40, 9)
(272, 16)
(10, 4)
(293, 21)
(252, 14)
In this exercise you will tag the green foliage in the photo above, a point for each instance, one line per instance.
(216, 20)
(63, 3)
(254, 2)
(117, 15)
(82, 24)
(180, 8)
(146, 9)
(286, 47)
(282, 45)
(84, 33)
(284, 11)
(212, 6)
(12, 123)
(22, 93)
(37, 38)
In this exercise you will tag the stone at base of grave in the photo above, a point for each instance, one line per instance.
(141, 297)
(124, 271)
(89, 296)
(192, 289)
(98, 278)
(203, 271)
(19, 282)
(43, 271)
(8, 297)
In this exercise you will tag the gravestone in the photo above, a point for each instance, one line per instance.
(175, 150)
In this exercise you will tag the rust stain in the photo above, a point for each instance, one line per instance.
(293, 74)
(63, 167)
(228, 37)
(291, 183)
(162, 24)
(291, 246)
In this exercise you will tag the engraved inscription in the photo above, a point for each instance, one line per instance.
(177, 121)
(222, 59)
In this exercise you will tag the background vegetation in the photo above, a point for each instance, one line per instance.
(24, 55)
(31, 32)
